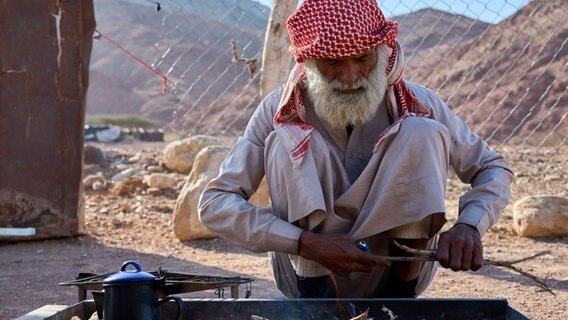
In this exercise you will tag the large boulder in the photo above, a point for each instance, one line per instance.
(205, 167)
(541, 216)
(179, 155)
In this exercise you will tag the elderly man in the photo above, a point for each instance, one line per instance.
(351, 153)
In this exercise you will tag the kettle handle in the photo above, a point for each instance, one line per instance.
(133, 263)
(178, 303)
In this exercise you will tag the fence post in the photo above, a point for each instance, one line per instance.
(276, 60)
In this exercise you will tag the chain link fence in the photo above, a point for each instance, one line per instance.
(500, 65)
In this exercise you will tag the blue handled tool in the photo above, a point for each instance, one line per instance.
(362, 245)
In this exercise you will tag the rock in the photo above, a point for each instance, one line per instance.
(541, 216)
(154, 192)
(135, 158)
(205, 167)
(98, 186)
(160, 180)
(149, 134)
(128, 172)
(117, 223)
(121, 166)
(186, 221)
(93, 155)
(154, 169)
(129, 186)
(179, 155)
(92, 180)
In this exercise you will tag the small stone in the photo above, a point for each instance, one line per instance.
(154, 192)
(90, 180)
(93, 155)
(117, 223)
(160, 180)
(97, 186)
(134, 158)
(155, 169)
(125, 206)
(121, 166)
(129, 172)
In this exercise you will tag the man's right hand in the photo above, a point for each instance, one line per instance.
(338, 253)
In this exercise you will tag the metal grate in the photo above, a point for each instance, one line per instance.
(172, 283)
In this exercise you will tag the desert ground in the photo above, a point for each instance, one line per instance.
(139, 226)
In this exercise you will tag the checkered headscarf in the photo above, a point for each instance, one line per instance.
(324, 29)
(336, 29)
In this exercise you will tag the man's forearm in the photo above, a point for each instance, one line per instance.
(481, 207)
(255, 228)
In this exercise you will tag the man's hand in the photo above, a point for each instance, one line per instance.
(337, 253)
(460, 248)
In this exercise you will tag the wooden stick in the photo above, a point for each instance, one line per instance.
(509, 265)
(250, 62)
(420, 252)
(430, 255)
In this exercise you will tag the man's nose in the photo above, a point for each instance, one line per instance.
(350, 73)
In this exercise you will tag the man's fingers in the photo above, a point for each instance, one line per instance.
(460, 248)
(362, 267)
(372, 260)
(443, 251)
(360, 262)
(381, 262)
(456, 254)
(477, 262)
(467, 257)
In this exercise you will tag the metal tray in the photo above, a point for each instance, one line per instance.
(320, 309)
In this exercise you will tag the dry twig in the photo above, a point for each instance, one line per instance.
(251, 63)
(430, 255)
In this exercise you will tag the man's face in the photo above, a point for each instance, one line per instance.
(348, 91)
(348, 70)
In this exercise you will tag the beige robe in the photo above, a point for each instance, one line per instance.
(342, 186)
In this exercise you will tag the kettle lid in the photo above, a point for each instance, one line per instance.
(130, 277)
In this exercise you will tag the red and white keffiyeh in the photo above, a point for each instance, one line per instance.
(335, 29)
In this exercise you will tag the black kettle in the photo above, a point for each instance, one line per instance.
(133, 295)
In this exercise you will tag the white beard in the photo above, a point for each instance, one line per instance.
(341, 109)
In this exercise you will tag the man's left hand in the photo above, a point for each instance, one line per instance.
(460, 248)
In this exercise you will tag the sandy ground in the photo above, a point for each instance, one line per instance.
(139, 226)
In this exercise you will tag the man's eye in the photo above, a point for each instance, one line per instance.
(363, 58)
(331, 62)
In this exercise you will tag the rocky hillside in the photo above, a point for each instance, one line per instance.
(190, 45)
(428, 28)
(506, 79)
(510, 81)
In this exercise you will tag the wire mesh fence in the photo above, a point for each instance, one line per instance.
(500, 65)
